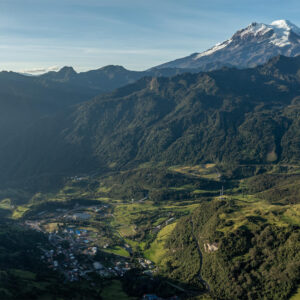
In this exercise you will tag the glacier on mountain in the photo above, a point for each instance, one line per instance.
(248, 47)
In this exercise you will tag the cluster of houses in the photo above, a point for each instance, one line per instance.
(73, 254)
(64, 260)
(76, 252)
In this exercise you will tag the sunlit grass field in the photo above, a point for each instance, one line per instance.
(157, 251)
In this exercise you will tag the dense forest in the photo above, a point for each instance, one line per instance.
(255, 260)
(242, 116)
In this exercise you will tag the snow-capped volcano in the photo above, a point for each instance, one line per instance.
(248, 47)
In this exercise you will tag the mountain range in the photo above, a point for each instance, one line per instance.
(110, 118)
(25, 99)
(228, 115)
(248, 47)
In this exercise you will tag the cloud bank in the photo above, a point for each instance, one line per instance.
(39, 71)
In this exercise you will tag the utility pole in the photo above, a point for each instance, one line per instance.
(222, 192)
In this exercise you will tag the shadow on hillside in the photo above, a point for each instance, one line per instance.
(136, 284)
(5, 213)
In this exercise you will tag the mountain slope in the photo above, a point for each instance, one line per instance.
(230, 115)
(248, 47)
(25, 99)
(252, 258)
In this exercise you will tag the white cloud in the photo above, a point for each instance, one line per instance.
(38, 71)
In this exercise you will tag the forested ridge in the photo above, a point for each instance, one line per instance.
(243, 116)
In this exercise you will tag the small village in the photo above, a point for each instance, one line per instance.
(76, 252)
(74, 255)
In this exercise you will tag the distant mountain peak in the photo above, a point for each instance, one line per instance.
(112, 67)
(277, 33)
(248, 47)
(64, 74)
(67, 70)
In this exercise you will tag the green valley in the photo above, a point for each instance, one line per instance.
(183, 224)
(186, 186)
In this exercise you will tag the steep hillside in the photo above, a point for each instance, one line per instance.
(25, 99)
(241, 249)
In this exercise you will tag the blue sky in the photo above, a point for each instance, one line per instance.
(138, 34)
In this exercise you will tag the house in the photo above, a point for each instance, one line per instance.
(97, 265)
(81, 216)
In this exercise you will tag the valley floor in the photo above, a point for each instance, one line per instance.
(116, 225)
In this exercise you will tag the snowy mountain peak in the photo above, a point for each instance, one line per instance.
(248, 47)
(278, 34)
(254, 29)
(285, 25)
